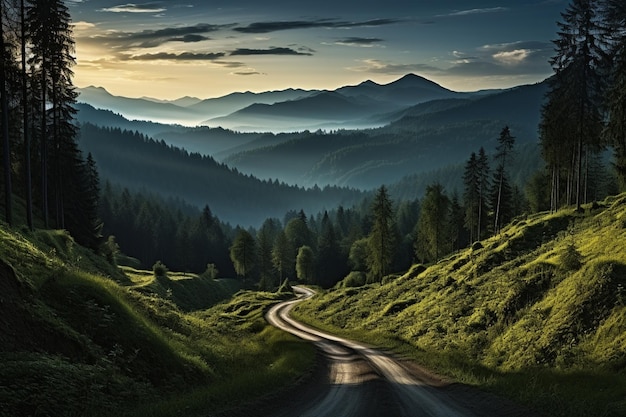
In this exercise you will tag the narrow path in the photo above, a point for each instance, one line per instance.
(367, 382)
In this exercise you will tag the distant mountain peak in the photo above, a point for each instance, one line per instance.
(369, 83)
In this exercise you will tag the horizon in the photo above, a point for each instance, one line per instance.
(295, 88)
(169, 50)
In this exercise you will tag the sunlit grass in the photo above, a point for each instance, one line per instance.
(510, 317)
(125, 343)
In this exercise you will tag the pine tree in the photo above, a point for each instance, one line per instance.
(614, 14)
(381, 240)
(470, 195)
(5, 58)
(571, 117)
(26, 121)
(482, 169)
(332, 265)
(458, 234)
(501, 186)
(476, 181)
(52, 49)
(282, 256)
(265, 242)
(433, 228)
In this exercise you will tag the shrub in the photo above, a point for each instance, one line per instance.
(570, 258)
(211, 272)
(354, 279)
(160, 270)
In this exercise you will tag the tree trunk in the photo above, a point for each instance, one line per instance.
(26, 130)
(44, 147)
(5, 126)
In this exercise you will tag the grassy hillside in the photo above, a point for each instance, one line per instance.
(80, 337)
(537, 313)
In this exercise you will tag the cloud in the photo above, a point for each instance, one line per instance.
(183, 56)
(524, 58)
(82, 25)
(154, 7)
(191, 38)
(275, 26)
(270, 51)
(356, 41)
(476, 11)
(247, 73)
(514, 58)
(391, 68)
(154, 38)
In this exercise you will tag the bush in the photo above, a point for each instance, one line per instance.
(354, 279)
(211, 272)
(160, 270)
(570, 259)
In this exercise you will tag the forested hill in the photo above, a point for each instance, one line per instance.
(138, 162)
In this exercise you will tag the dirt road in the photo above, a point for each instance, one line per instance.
(366, 382)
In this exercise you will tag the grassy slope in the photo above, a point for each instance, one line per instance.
(510, 317)
(80, 337)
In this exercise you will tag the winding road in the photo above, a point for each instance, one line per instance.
(365, 382)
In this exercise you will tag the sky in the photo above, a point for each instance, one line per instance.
(210, 48)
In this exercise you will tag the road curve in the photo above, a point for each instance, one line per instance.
(364, 381)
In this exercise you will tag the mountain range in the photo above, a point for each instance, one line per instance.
(289, 110)
(431, 138)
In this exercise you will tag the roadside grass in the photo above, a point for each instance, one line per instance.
(516, 317)
(76, 342)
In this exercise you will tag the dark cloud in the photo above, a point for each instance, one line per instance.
(247, 73)
(267, 27)
(355, 41)
(154, 38)
(478, 11)
(184, 56)
(270, 51)
(190, 38)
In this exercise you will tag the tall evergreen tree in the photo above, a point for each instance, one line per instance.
(476, 181)
(382, 239)
(572, 114)
(614, 14)
(282, 256)
(433, 228)
(470, 195)
(458, 234)
(52, 49)
(332, 264)
(482, 162)
(5, 58)
(501, 186)
(265, 242)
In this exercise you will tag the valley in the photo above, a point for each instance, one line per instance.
(261, 209)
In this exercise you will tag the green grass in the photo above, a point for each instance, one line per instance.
(511, 317)
(83, 338)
